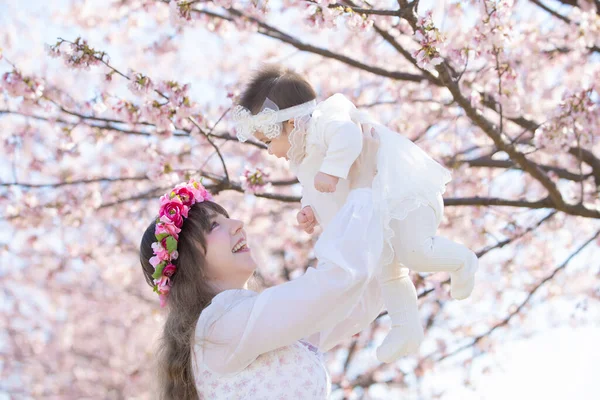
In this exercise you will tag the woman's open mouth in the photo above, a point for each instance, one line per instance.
(240, 247)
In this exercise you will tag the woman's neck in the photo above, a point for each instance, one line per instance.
(222, 285)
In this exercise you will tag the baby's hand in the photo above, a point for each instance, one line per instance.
(325, 183)
(306, 219)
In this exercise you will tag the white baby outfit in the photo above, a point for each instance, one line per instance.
(409, 183)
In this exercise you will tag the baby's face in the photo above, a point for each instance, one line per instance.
(280, 145)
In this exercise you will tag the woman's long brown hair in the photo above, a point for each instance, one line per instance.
(188, 296)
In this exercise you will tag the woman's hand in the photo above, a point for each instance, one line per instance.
(364, 168)
(325, 183)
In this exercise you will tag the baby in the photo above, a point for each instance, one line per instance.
(321, 142)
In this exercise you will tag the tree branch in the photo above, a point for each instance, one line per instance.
(507, 319)
(551, 11)
(491, 201)
(109, 127)
(206, 135)
(590, 159)
(78, 182)
(272, 32)
(561, 17)
(489, 162)
(503, 243)
(366, 11)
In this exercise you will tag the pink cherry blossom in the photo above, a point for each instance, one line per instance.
(253, 180)
(18, 85)
(140, 84)
(180, 11)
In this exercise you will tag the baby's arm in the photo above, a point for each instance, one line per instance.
(344, 144)
(306, 219)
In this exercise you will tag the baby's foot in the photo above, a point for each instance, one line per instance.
(401, 341)
(463, 280)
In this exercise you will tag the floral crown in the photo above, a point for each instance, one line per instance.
(174, 207)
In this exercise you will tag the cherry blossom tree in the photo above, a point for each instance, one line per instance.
(105, 105)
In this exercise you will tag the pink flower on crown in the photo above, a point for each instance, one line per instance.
(165, 225)
(186, 196)
(154, 261)
(161, 251)
(163, 288)
(200, 192)
(163, 298)
(169, 270)
(174, 210)
(163, 284)
(164, 245)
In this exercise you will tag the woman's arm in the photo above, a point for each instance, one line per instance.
(363, 314)
(315, 302)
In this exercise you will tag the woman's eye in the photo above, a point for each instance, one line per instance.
(268, 142)
(214, 225)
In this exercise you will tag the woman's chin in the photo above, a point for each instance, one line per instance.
(246, 256)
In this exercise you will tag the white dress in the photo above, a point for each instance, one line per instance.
(407, 176)
(269, 345)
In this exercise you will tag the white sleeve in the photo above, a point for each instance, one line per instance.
(304, 201)
(363, 314)
(317, 301)
(344, 144)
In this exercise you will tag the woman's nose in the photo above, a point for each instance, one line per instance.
(236, 226)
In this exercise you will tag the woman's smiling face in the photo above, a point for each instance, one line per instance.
(229, 261)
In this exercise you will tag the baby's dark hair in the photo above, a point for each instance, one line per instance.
(281, 85)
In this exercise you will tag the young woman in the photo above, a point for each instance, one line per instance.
(223, 341)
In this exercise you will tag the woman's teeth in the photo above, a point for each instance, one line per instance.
(240, 246)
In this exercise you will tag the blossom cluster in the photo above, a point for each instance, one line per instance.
(573, 122)
(252, 181)
(431, 40)
(16, 85)
(78, 54)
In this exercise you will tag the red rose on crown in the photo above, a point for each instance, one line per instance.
(169, 270)
(174, 210)
(185, 195)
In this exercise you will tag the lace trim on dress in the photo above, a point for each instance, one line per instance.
(297, 139)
